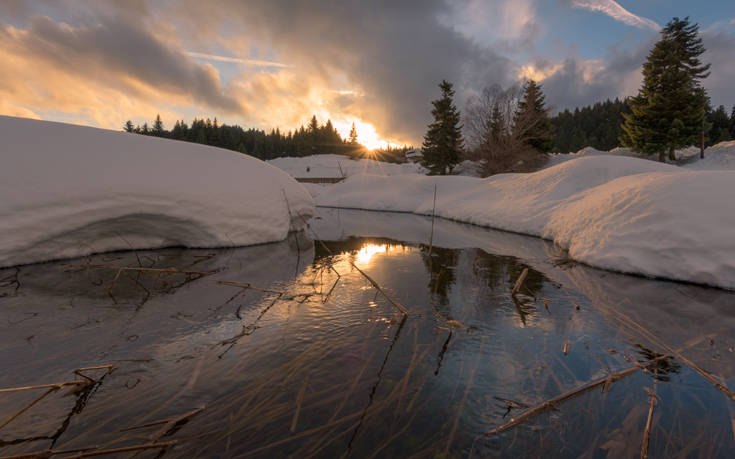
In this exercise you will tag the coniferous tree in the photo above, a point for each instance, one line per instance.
(720, 121)
(353, 135)
(597, 126)
(256, 142)
(533, 117)
(129, 127)
(669, 111)
(158, 127)
(443, 141)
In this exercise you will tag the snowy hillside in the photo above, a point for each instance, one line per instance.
(323, 166)
(69, 191)
(614, 212)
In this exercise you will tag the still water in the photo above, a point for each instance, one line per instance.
(313, 360)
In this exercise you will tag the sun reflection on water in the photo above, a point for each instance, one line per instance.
(368, 251)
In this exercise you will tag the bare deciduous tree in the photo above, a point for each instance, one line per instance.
(498, 135)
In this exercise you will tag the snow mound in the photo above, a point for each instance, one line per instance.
(614, 212)
(332, 166)
(684, 155)
(717, 157)
(70, 191)
(676, 225)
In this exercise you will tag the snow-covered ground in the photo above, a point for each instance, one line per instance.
(717, 157)
(615, 212)
(69, 191)
(332, 166)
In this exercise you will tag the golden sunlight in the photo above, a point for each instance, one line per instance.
(530, 72)
(368, 251)
(366, 134)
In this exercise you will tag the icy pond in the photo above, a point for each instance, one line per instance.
(313, 360)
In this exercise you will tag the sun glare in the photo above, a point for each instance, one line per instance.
(366, 134)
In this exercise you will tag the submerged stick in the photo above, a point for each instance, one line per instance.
(551, 403)
(90, 451)
(519, 282)
(702, 372)
(124, 449)
(299, 401)
(78, 382)
(400, 307)
(464, 399)
(175, 420)
(152, 270)
(248, 287)
(28, 406)
(649, 421)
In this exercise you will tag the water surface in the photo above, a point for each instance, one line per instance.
(322, 364)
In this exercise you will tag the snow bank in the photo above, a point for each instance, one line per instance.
(323, 166)
(614, 212)
(718, 157)
(69, 191)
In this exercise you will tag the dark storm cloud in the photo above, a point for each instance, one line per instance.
(396, 51)
(578, 83)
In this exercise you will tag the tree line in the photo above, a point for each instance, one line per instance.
(601, 125)
(307, 140)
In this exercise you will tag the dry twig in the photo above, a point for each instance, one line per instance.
(649, 421)
(519, 282)
(552, 403)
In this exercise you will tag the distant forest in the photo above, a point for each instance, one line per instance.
(307, 140)
(600, 126)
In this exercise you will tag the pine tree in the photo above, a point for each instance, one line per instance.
(720, 122)
(158, 127)
(669, 111)
(533, 118)
(129, 127)
(353, 135)
(443, 141)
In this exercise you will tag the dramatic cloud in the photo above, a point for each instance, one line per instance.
(577, 82)
(615, 11)
(264, 63)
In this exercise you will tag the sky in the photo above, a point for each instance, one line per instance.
(271, 63)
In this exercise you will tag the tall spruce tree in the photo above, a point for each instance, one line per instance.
(443, 141)
(129, 127)
(533, 117)
(669, 111)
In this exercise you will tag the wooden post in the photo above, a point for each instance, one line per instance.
(701, 148)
